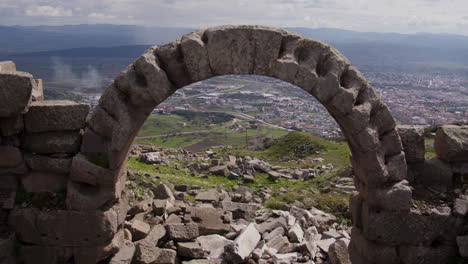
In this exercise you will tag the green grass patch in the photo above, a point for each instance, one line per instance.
(164, 173)
(299, 145)
(171, 142)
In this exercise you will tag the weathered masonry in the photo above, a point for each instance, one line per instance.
(52, 146)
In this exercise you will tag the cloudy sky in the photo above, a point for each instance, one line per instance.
(404, 16)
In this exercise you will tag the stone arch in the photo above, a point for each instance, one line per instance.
(98, 173)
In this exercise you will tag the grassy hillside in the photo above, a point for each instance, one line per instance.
(297, 145)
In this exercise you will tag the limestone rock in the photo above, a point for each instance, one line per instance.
(44, 116)
(182, 232)
(221, 170)
(271, 224)
(338, 253)
(244, 244)
(412, 138)
(161, 206)
(278, 243)
(140, 207)
(146, 253)
(311, 238)
(139, 229)
(451, 143)
(214, 245)
(211, 195)
(162, 192)
(460, 207)
(156, 234)
(296, 234)
(15, 93)
(240, 210)
(285, 258)
(166, 256)
(125, 254)
(38, 91)
(325, 244)
(209, 220)
(7, 66)
(151, 158)
(279, 231)
(190, 250)
(203, 261)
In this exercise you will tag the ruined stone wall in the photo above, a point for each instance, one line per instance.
(76, 167)
(38, 140)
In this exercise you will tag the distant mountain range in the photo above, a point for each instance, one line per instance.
(367, 50)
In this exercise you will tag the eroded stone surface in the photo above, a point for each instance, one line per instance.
(15, 93)
(54, 115)
(451, 143)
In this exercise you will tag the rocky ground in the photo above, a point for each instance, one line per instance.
(173, 223)
(230, 227)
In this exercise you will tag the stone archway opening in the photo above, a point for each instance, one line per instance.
(230, 99)
(98, 172)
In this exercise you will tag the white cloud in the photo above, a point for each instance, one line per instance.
(363, 15)
(101, 16)
(48, 11)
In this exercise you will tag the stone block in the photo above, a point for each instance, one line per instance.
(44, 116)
(182, 232)
(209, 220)
(16, 93)
(244, 244)
(395, 228)
(196, 56)
(125, 254)
(436, 173)
(139, 229)
(171, 58)
(438, 253)
(214, 244)
(44, 182)
(253, 49)
(7, 66)
(8, 187)
(462, 243)
(338, 253)
(32, 254)
(11, 126)
(38, 91)
(10, 157)
(83, 196)
(162, 192)
(208, 196)
(412, 138)
(371, 251)
(451, 143)
(395, 198)
(48, 164)
(64, 228)
(84, 171)
(52, 142)
(240, 210)
(190, 250)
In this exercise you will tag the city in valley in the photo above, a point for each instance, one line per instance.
(424, 99)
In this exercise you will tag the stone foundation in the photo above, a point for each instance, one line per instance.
(62, 176)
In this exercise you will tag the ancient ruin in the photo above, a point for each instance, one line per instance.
(51, 146)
